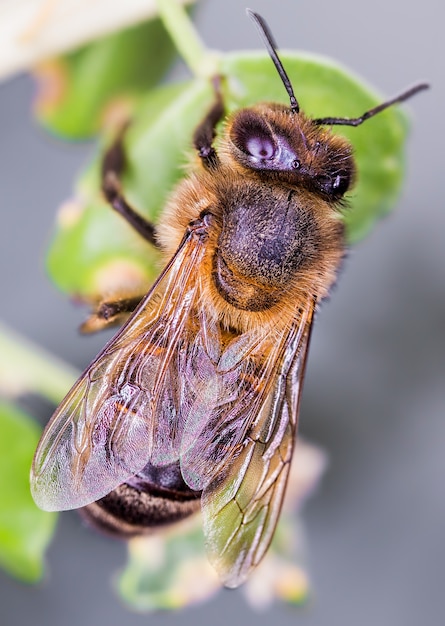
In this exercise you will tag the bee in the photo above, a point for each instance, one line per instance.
(194, 403)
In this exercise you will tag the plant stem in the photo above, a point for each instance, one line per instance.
(201, 62)
(27, 368)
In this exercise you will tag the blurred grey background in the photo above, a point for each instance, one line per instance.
(374, 396)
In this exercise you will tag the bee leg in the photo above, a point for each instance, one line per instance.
(205, 133)
(110, 314)
(112, 167)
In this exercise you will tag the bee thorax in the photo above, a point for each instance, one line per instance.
(265, 239)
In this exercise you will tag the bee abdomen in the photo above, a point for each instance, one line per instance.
(140, 508)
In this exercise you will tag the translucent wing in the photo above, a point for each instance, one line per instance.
(123, 406)
(225, 383)
(242, 504)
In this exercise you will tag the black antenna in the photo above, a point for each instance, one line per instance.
(271, 46)
(356, 121)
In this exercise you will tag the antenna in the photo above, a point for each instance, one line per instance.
(271, 46)
(356, 121)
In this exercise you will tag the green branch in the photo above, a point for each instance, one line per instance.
(202, 62)
(27, 368)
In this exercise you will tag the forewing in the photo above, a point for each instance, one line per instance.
(105, 430)
(241, 506)
(225, 388)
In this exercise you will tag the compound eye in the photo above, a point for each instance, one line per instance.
(260, 147)
(251, 134)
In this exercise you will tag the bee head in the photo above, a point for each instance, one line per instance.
(279, 143)
(283, 142)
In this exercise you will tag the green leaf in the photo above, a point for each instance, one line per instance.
(96, 244)
(168, 570)
(25, 530)
(94, 251)
(99, 84)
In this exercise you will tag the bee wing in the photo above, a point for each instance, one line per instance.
(224, 388)
(241, 506)
(103, 431)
